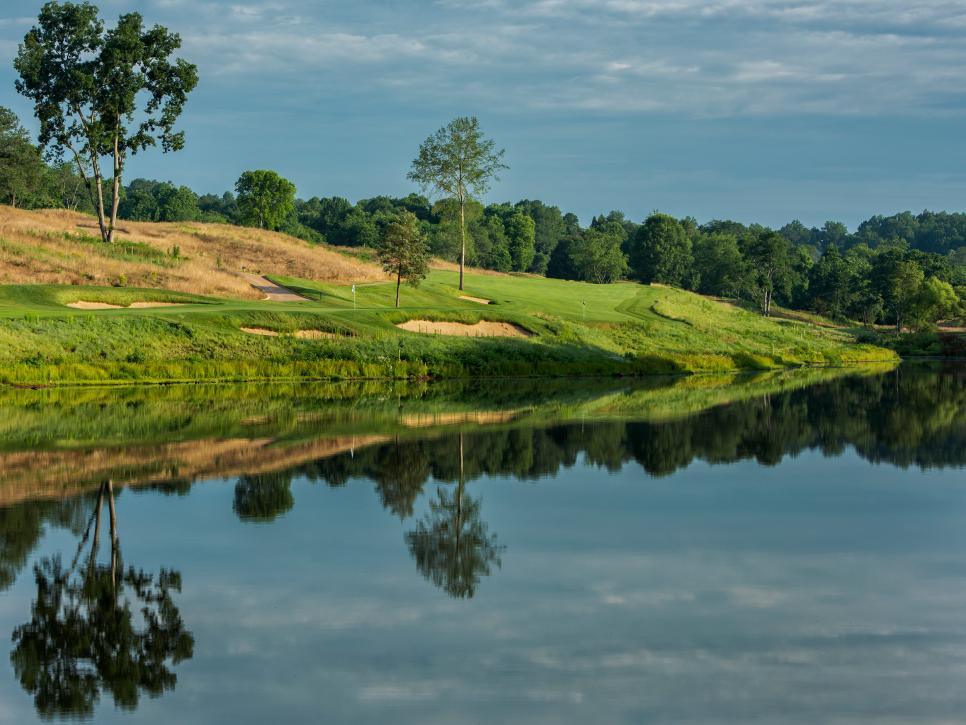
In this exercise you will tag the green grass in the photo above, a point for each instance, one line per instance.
(577, 329)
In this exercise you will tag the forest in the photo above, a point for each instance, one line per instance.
(906, 270)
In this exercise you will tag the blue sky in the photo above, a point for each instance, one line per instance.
(758, 110)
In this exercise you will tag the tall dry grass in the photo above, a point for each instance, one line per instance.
(53, 246)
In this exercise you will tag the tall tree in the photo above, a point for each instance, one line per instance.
(771, 267)
(265, 199)
(403, 251)
(103, 93)
(458, 161)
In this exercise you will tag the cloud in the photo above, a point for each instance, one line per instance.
(718, 58)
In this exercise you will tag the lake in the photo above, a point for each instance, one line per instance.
(786, 547)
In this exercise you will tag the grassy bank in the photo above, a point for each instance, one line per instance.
(572, 328)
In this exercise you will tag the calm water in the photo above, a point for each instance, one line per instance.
(787, 548)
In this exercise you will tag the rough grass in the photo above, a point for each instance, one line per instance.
(62, 247)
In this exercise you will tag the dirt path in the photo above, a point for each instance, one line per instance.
(272, 291)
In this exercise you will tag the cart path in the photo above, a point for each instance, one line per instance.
(272, 291)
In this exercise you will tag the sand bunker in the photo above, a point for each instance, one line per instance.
(133, 306)
(314, 335)
(483, 328)
(300, 334)
(478, 300)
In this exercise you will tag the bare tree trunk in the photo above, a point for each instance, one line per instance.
(462, 239)
(398, 284)
(97, 532)
(115, 190)
(114, 551)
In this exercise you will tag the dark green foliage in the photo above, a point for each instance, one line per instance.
(265, 199)
(263, 498)
(661, 252)
(403, 251)
(101, 92)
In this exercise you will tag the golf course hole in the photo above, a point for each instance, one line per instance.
(483, 328)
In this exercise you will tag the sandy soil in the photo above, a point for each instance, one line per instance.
(478, 300)
(483, 328)
(133, 306)
(300, 334)
(259, 331)
(272, 291)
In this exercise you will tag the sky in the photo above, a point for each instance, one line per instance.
(755, 110)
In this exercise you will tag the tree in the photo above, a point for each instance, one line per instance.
(458, 161)
(265, 199)
(520, 230)
(21, 168)
(403, 251)
(661, 252)
(103, 93)
(771, 267)
(898, 280)
(597, 256)
(935, 300)
(718, 264)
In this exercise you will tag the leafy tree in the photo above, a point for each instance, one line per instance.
(21, 168)
(897, 279)
(661, 252)
(265, 199)
(458, 161)
(718, 265)
(598, 257)
(520, 233)
(549, 229)
(936, 300)
(403, 251)
(834, 283)
(88, 83)
(771, 267)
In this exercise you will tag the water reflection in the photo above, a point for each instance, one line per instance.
(98, 627)
(451, 544)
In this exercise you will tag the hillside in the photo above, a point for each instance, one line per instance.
(192, 316)
(63, 247)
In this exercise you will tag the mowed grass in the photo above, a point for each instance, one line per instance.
(575, 328)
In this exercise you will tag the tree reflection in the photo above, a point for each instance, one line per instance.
(98, 627)
(451, 544)
(264, 497)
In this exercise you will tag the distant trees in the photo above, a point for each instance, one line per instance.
(265, 199)
(21, 167)
(661, 252)
(598, 256)
(458, 162)
(403, 251)
(155, 201)
(771, 268)
(103, 93)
